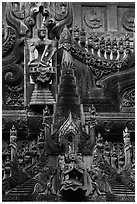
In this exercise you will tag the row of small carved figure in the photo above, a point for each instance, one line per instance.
(102, 43)
(114, 154)
(118, 155)
(27, 154)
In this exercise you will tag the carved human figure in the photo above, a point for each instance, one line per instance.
(102, 44)
(121, 46)
(49, 190)
(121, 160)
(114, 46)
(107, 152)
(114, 158)
(13, 142)
(127, 41)
(108, 46)
(41, 51)
(94, 175)
(96, 42)
(7, 171)
(127, 147)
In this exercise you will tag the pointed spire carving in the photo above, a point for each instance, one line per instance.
(68, 99)
(68, 125)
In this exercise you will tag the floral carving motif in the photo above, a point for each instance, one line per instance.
(14, 96)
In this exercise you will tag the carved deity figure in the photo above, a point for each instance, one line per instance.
(114, 46)
(121, 160)
(107, 152)
(114, 158)
(41, 51)
(95, 176)
(127, 147)
(108, 46)
(121, 46)
(102, 44)
(13, 142)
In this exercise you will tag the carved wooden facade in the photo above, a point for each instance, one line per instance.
(68, 69)
(102, 49)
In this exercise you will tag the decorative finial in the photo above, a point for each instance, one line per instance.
(13, 131)
(63, 6)
(70, 116)
(46, 111)
(76, 33)
(99, 136)
(126, 133)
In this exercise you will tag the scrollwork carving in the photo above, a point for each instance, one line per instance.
(12, 74)
(9, 43)
(128, 99)
(62, 20)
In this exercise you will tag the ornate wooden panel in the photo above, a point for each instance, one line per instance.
(126, 19)
(94, 18)
(68, 72)
(12, 58)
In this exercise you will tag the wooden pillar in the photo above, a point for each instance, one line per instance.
(112, 17)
